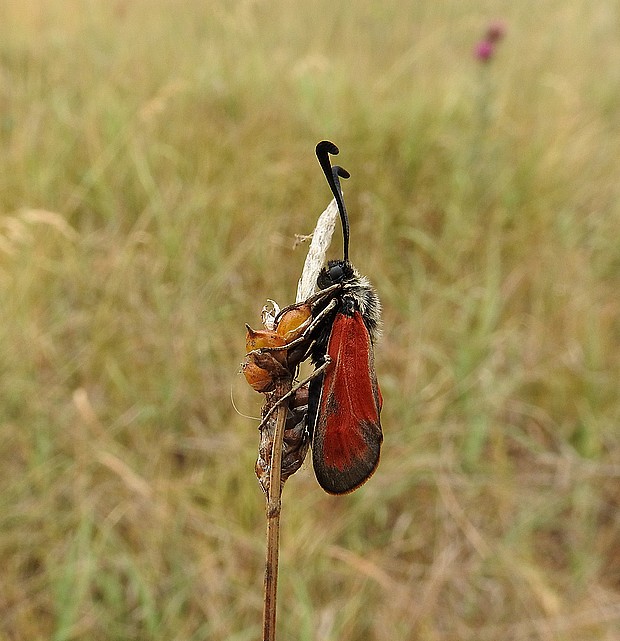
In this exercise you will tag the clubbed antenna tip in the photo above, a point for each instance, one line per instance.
(333, 175)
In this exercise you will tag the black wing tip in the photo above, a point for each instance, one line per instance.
(337, 482)
(339, 486)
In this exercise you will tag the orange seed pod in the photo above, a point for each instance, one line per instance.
(264, 339)
(259, 338)
(294, 321)
(258, 378)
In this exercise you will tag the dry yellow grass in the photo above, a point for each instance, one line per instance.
(156, 161)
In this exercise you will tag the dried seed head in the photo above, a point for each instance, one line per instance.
(258, 378)
(294, 321)
(262, 338)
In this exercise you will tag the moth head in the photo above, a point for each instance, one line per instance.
(337, 272)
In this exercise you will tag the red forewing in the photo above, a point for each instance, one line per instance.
(347, 431)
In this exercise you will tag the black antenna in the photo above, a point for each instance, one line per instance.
(323, 149)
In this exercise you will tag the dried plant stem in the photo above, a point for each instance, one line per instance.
(273, 515)
(277, 412)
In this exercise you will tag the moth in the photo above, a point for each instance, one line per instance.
(344, 403)
(336, 327)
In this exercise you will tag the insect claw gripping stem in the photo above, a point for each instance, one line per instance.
(317, 372)
(316, 321)
(313, 325)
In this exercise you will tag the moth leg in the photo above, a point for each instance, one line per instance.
(317, 372)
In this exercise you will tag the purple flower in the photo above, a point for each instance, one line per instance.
(484, 50)
(496, 31)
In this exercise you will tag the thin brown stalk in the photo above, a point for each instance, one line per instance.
(274, 505)
(278, 403)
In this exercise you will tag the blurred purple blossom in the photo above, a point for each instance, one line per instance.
(496, 31)
(484, 50)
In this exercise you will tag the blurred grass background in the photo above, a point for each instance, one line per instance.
(156, 161)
